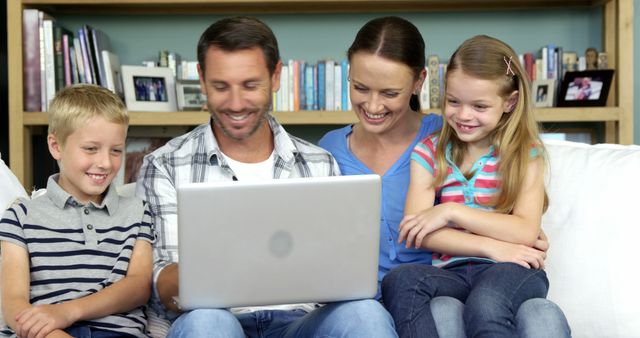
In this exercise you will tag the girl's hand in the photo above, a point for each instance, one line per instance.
(542, 243)
(518, 254)
(414, 228)
(40, 320)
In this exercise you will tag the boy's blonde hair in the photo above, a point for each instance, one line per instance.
(487, 58)
(74, 105)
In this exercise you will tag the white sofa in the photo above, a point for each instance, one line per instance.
(592, 226)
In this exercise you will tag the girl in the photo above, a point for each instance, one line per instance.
(484, 173)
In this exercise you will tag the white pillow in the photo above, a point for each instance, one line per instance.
(593, 228)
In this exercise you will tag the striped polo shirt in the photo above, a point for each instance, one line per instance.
(78, 249)
(475, 192)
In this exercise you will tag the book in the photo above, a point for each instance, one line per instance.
(58, 55)
(329, 85)
(113, 77)
(79, 61)
(337, 86)
(345, 85)
(100, 42)
(73, 63)
(433, 62)
(42, 16)
(425, 101)
(49, 63)
(66, 56)
(31, 60)
(86, 62)
(308, 86)
(321, 85)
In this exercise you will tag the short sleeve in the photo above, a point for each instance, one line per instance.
(147, 230)
(11, 229)
(424, 154)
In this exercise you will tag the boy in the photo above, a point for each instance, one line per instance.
(77, 260)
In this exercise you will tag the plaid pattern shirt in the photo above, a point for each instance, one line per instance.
(196, 157)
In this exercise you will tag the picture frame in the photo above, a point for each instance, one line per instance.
(190, 96)
(543, 93)
(149, 88)
(589, 88)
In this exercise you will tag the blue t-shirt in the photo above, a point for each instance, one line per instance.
(395, 183)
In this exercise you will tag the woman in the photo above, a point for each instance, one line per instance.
(387, 71)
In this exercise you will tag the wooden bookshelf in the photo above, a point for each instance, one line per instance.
(617, 42)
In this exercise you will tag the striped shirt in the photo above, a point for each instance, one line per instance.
(77, 249)
(196, 157)
(475, 192)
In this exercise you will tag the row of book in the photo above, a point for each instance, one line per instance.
(324, 85)
(307, 86)
(54, 57)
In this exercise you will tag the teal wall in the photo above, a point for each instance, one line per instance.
(316, 36)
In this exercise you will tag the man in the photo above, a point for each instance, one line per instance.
(239, 67)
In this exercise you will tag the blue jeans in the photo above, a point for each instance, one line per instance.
(536, 318)
(362, 318)
(492, 294)
(83, 331)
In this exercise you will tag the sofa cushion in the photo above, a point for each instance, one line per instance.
(593, 227)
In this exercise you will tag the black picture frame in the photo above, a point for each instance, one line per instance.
(589, 88)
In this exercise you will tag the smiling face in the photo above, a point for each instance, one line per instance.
(89, 158)
(380, 91)
(473, 107)
(239, 90)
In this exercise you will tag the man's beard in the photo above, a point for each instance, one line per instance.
(254, 128)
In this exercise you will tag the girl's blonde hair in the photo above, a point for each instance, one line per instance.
(487, 58)
(76, 104)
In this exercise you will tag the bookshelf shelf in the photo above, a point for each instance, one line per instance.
(617, 42)
(311, 117)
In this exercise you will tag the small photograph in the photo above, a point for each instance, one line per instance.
(190, 96)
(586, 88)
(150, 89)
(583, 88)
(543, 93)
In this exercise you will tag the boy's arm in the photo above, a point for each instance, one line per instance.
(131, 291)
(15, 281)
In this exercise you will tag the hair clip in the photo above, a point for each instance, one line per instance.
(508, 62)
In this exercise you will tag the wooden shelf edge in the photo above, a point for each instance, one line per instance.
(192, 118)
(295, 6)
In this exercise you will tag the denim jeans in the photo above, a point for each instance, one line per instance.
(536, 318)
(492, 294)
(83, 331)
(362, 318)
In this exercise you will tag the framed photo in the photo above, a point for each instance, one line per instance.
(149, 88)
(189, 95)
(589, 88)
(543, 93)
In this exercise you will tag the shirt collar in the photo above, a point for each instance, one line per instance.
(61, 197)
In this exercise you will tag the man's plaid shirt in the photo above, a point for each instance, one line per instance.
(196, 157)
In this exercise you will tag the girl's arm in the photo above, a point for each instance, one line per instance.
(520, 227)
(131, 291)
(458, 243)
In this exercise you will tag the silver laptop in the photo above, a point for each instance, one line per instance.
(278, 241)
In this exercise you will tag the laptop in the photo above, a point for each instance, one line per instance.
(285, 241)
